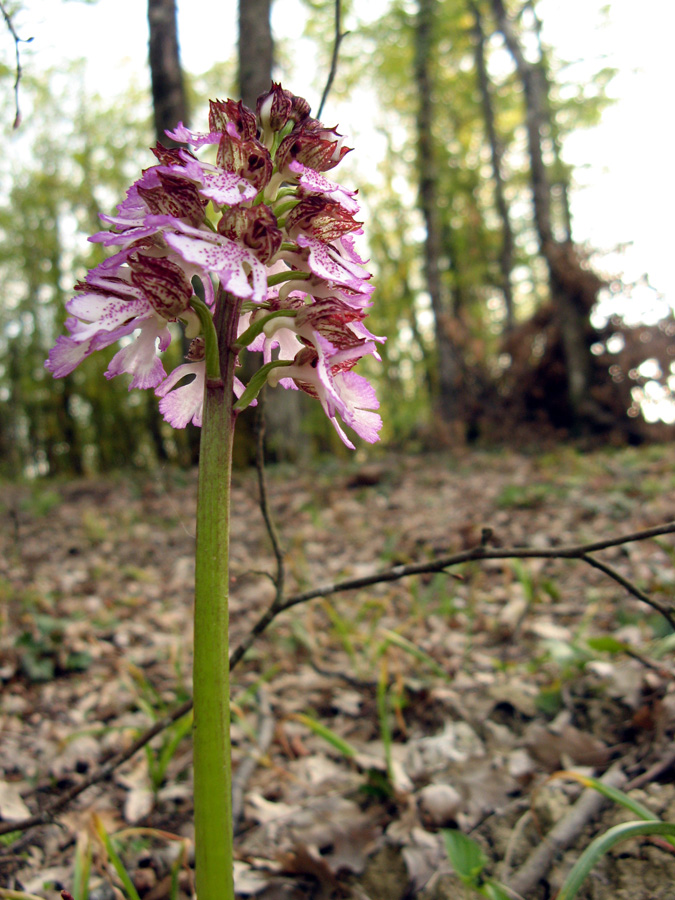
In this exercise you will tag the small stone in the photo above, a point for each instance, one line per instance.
(439, 805)
(521, 766)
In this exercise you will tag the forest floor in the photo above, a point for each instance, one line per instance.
(366, 722)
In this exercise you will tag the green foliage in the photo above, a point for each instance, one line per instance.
(114, 857)
(393, 638)
(76, 157)
(162, 750)
(378, 57)
(602, 845)
(327, 734)
(82, 867)
(523, 496)
(384, 715)
(43, 653)
(469, 862)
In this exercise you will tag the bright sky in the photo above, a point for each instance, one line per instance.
(626, 189)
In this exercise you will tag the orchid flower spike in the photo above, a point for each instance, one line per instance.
(262, 224)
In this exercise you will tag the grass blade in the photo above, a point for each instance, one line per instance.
(125, 878)
(6, 894)
(383, 714)
(393, 637)
(466, 856)
(322, 731)
(82, 867)
(604, 842)
(615, 795)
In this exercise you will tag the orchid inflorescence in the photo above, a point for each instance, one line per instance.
(262, 227)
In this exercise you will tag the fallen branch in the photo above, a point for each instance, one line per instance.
(563, 835)
(654, 772)
(480, 552)
(280, 604)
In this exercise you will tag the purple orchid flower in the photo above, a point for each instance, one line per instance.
(262, 223)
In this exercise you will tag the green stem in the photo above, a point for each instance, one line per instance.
(292, 275)
(211, 676)
(210, 337)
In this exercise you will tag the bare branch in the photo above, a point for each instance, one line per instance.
(630, 587)
(100, 774)
(480, 552)
(574, 551)
(264, 504)
(17, 80)
(339, 35)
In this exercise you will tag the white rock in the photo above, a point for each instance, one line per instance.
(439, 804)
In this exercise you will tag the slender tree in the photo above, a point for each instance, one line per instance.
(284, 411)
(255, 49)
(448, 395)
(573, 289)
(496, 157)
(169, 101)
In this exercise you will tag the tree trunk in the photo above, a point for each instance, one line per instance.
(573, 288)
(256, 49)
(168, 89)
(283, 410)
(496, 150)
(561, 181)
(448, 393)
(169, 105)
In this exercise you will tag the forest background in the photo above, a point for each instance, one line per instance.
(467, 121)
(504, 326)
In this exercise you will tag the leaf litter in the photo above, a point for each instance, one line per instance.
(458, 696)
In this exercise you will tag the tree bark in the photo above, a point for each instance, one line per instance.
(496, 151)
(169, 104)
(256, 49)
(573, 288)
(562, 179)
(448, 394)
(168, 89)
(284, 410)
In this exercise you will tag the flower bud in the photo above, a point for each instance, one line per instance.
(255, 227)
(163, 283)
(320, 218)
(318, 148)
(174, 197)
(273, 109)
(224, 113)
(248, 158)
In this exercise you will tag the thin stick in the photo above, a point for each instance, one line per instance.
(574, 551)
(628, 585)
(339, 35)
(653, 772)
(264, 503)
(563, 834)
(247, 766)
(17, 80)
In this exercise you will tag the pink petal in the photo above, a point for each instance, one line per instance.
(313, 181)
(140, 357)
(184, 404)
(230, 262)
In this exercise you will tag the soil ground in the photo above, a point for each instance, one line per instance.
(364, 723)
